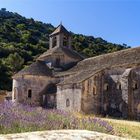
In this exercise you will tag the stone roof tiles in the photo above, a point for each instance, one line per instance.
(69, 52)
(38, 68)
(79, 77)
(59, 29)
(89, 66)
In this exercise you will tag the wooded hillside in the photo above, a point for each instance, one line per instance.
(22, 40)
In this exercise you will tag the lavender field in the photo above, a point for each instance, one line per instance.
(16, 118)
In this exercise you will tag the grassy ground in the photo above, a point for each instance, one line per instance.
(123, 128)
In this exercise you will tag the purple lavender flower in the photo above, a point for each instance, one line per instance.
(21, 117)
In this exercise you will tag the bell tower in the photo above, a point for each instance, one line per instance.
(60, 55)
(60, 38)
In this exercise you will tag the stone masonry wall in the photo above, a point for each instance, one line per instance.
(69, 97)
(134, 94)
(91, 94)
(115, 92)
(64, 59)
(21, 86)
(106, 92)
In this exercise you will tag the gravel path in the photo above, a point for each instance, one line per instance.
(60, 135)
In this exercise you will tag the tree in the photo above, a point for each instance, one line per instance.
(3, 9)
(15, 62)
(5, 79)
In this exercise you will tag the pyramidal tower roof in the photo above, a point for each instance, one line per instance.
(59, 29)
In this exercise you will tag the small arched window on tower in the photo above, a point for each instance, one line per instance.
(54, 42)
(67, 103)
(65, 40)
(106, 87)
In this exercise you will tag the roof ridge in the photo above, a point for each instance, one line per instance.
(59, 29)
(116, 52)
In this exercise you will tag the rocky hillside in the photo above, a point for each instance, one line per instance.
(22, 40)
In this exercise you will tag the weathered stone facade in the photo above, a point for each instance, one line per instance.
(69, 97)
(23, 85)
(104, 85)
(134, 93)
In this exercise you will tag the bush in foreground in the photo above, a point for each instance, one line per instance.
(15, 118)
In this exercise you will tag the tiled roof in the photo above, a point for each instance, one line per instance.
(79, 77)
(68, 51)
(60, 29)
(89, 66)
(38, 68)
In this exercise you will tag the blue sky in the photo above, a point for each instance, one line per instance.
(116, 21)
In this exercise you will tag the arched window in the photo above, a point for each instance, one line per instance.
(138, 108)
(106, 87)
(15, 93)
(54, 41)
(67, 103)
(29, 93)
(119, 86)
(120, 106)
(135, 85)
(105, 107)
(94, 90)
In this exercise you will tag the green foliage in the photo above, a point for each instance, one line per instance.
(5, 78)
(26, 39)
(90, 46)
(14, 62)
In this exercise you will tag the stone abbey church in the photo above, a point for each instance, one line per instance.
(61, 78)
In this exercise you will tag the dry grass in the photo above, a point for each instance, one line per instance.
(124, 128)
